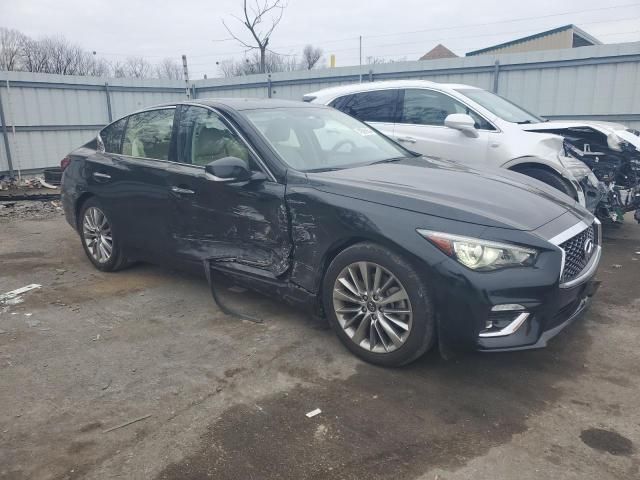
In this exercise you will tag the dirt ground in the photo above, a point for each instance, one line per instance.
(225, 398)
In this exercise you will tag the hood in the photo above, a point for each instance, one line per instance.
(605, 127)
(494, 198)
(613, 132)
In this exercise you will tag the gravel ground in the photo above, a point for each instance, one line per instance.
(218, 397)
(29, 209)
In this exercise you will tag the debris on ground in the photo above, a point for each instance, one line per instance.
(17, 293)
(615, 265)
(30, 209)
(313, 413)
(126, 423)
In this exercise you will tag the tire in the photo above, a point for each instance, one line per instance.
(552, 179)
(94, 224)
(53, 175)
(414, 331)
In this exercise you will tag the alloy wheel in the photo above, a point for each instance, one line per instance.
(372, 307)
(97, 234)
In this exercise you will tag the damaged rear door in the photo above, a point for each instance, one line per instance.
(244, 222)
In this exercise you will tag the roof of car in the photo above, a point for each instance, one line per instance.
(236, 103)
(361, 87)
(250, 103)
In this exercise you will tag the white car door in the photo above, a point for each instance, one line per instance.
(421, 127)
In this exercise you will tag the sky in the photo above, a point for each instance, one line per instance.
(402, 29)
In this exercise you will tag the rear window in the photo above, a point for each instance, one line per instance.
(376, 106)
(148, 134)
(112, 136)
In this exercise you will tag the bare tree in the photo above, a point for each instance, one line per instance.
(118, 69)
(137, 67)
(169, 68)
(250, 65)
(62, 56)
(33, 56)
(58, 55)
(311, 56)
(10, 45)
(260, 19)
(370, 60)
(89, 65)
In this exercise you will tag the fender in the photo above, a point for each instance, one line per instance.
(549, 164)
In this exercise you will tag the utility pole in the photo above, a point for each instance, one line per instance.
(186, 77)
(360, 58)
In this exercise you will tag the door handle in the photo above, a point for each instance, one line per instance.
(182, 191)
(101, 177)
(406, 139)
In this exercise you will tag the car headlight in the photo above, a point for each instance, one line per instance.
(478, 254)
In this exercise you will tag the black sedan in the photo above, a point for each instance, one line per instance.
(311, 206)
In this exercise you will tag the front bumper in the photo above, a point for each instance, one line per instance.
(513, 309)
(546, 323)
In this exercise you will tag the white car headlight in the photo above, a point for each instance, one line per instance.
(478, 254)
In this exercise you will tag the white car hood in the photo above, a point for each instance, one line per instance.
(606, 128)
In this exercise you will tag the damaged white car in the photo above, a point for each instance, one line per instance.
(471, 125)
(612, 152)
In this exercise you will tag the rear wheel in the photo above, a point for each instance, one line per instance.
(552, 179)
(378, 305)
(99, 239)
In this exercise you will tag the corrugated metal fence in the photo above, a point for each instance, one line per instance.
(45, 116)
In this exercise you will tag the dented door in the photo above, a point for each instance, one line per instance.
(242, 221)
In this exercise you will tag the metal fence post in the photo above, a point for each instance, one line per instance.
(496, 74)
(194, 91)
(269, 86)
(5, 137)
(108, 95)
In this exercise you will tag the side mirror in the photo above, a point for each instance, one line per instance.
(462, 122)
(229, 169)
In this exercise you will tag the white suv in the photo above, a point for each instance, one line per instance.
(464, 124)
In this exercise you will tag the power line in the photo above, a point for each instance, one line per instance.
(520, 33)
(478, 35)
(536, 17)
(324, 42)
(482, 24)
(354, 57)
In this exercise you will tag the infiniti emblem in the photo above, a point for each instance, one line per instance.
(588, 248)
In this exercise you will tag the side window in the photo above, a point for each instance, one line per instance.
(203, 137)
(428, 107)
(148, 134)
(112, 136)
(376, 106)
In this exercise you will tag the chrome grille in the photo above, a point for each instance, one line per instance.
(577, 253)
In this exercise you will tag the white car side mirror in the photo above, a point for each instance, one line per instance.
(462, 122)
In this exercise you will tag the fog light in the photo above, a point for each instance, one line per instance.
(504, 322)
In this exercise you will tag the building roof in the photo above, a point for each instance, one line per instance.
(439, 51)
(583, 39)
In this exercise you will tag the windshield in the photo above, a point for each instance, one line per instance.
(317, 139)
(499, 106)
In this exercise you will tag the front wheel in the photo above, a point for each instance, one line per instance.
(378, 305)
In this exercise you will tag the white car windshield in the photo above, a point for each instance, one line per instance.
(316, 139)
(499, 106)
